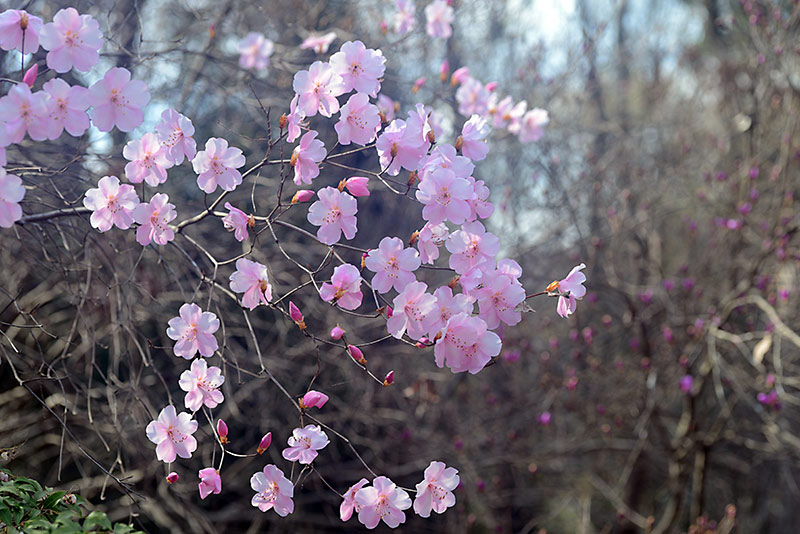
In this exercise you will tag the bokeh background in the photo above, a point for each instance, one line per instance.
(670, 167)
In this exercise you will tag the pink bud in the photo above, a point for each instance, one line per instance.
(222, 430)
(491, 86)
(357, 185)
(389, 380)
(384, 27)
(444, 70)
(389, 311)
(296, 315)
(172, 478)
(302, 196)
(337, 332)
(423, 343)
(265, 443)
(459, 75)
(30, 75)
(418, 84)
(313, 399)
(356, 354)
(544, 419)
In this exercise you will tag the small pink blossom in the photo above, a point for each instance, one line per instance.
(479, 204)
(447, 305)
(499, 110)
(175, 133)
(405, 18)
(411, 307)
(515, 117)
(306, 158)
(498, 299)
(431, 237)
(294, 120)
(210, 482)
(532, 126)
(19, 28)
(473, 138)
(23, 111)
(154, 218)
(382, 501)
(111, 204)
(573, 282)
(304, 444)
(359, 121)
(357, 186)
(344, 290)
(360, 68)
(194, 331)
(273, 491)
(435, 492)
(73, 40)
(444, 157)
(392, 264)
(313, 399)
(439, 17)
(349, 504)
(472, 98)
(118, 101)
(251, 278)
(399, 146)
(172, 434)
(201, 384)
(319, 43)
(335, 213)
(67, 108)
(148, 160)
(470, 246)
(216, 166)
(445, 197)
(467, 344)
(255, 50)
(236, 221)
(318, 88)
(11, 193)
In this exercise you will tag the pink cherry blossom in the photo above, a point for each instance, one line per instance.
(515, 116)
(349, 504)
(148, 160)
(304, 444)
(419, 125)
(533, 123)
(435, 492)
(473, 138)
(467, 344)
(439, 17)
(306, 158)
(498, 298)
(67, 108)
(194, 331)
(318, 88)
(445, 197)
(444, 156)
(509, 268)
(335, 213)
(360, 68)
(411, 307)
(255, 50)
(405, 18)
(472, 98)
(447, 305)
(251, 278)
(172, 434)
(118, 101)
(479, 205)
(566, 305)
(392, 264)
(154, 218)
(431, 237)
(273, 490)
(573, 282)
(111, 204)
(19, 28)
(386, 106)
(344, 289)
(357, 186)
(318, 42)
(399, 146)
(236, 221)
(73, 40)
(201, 384)
(175, 133)
(210, 482)
(294, 120)
(313, 399)
(499, 110)
(11, 193)
(23, 111)
(382, 501)
(359, 121)
(470, 246)
(216, 166)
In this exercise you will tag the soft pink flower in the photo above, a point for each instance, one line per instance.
(306, 158)
(73, 40)
(216, 166)
(479, 204)
(318, 88)
(431, 237)
(111, 204)
(573, 282)
(118, 101)
(411, 307)
(515, 116)
(533, 123)
(360, 68)
(357, 186)
(273, 490)
(335, 213)
(470, 246)
(313, 399)
(566, 305)
(509, 268)
(472, 98)
(148, 160)
(19, 28)
(473, 138)
(154, 218)
(498, 299)
(349, 504)
(210, 482)
(318, 43)
(304, 444)
(201, 384)
(251, 278)
(393, 265)
(383, 500)
(467, 344)
(11, 193)
(435, 492)
(294, 120)
(236, 221)
(359, 121)
(444, 156)
(439, 17)
(399, 146)
(405, 18)
(386, 106)
(194, 332)
(499, 110)
(23, 111)
(67, 108)
(447, 305)
(344, 289)
(172, 434)
(445, 197)
(255, 50)
(175, 133)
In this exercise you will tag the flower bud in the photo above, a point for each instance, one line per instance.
(30, 75)
(491, 86)
(172, 478)
(296, 315)
(222, 430)
(384, 27)
(414, 238)
(544, 418)
(423, 343)
(356, 354)
(418, 84)
(283, 121)
(357, 186)
(444, 70)
(459, 75)
(389, 311)
(212, 31)
(302, 196)
(313, 399)
(459, 142)
(337, 332)
(364, 260)
(265, 443)
(389, 380)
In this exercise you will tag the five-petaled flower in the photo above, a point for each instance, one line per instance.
(304, 444)
(392, 264)
(201, 384)
(382, 501)
(172, 434)
(273, 490)
(118, 101)
(210, 482)
(154, 218)
(216, 166)
(344, 288)
(111, 204)
(334, 213)
(73, 40)
(252, 279)
(435, 492)
(194, 331)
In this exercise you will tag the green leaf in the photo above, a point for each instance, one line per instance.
(97, 519)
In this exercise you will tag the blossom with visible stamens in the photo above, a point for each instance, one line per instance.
(470, 246)
(118, 101)
(318, 88)
(498, 299)
(148, 160)
(252, 279)
(431, 237)
(172, 434)
(466, 344)
(273, 491)
(359, 121)
(435, 492)
(400, 146)
(23, 111)
(344, 289)
(335, 214)
(359, 67)
(392, 264)
(411, 307)
(66, 108)
(201, 384)
(306, 158)
(216, 166)
(445, 197)
(447, 305)
(175, 133)
(73, 40)
(349, 504)
(194, 331)
(382, 501)
(304, 444)
(111, 204)
(154, 218)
